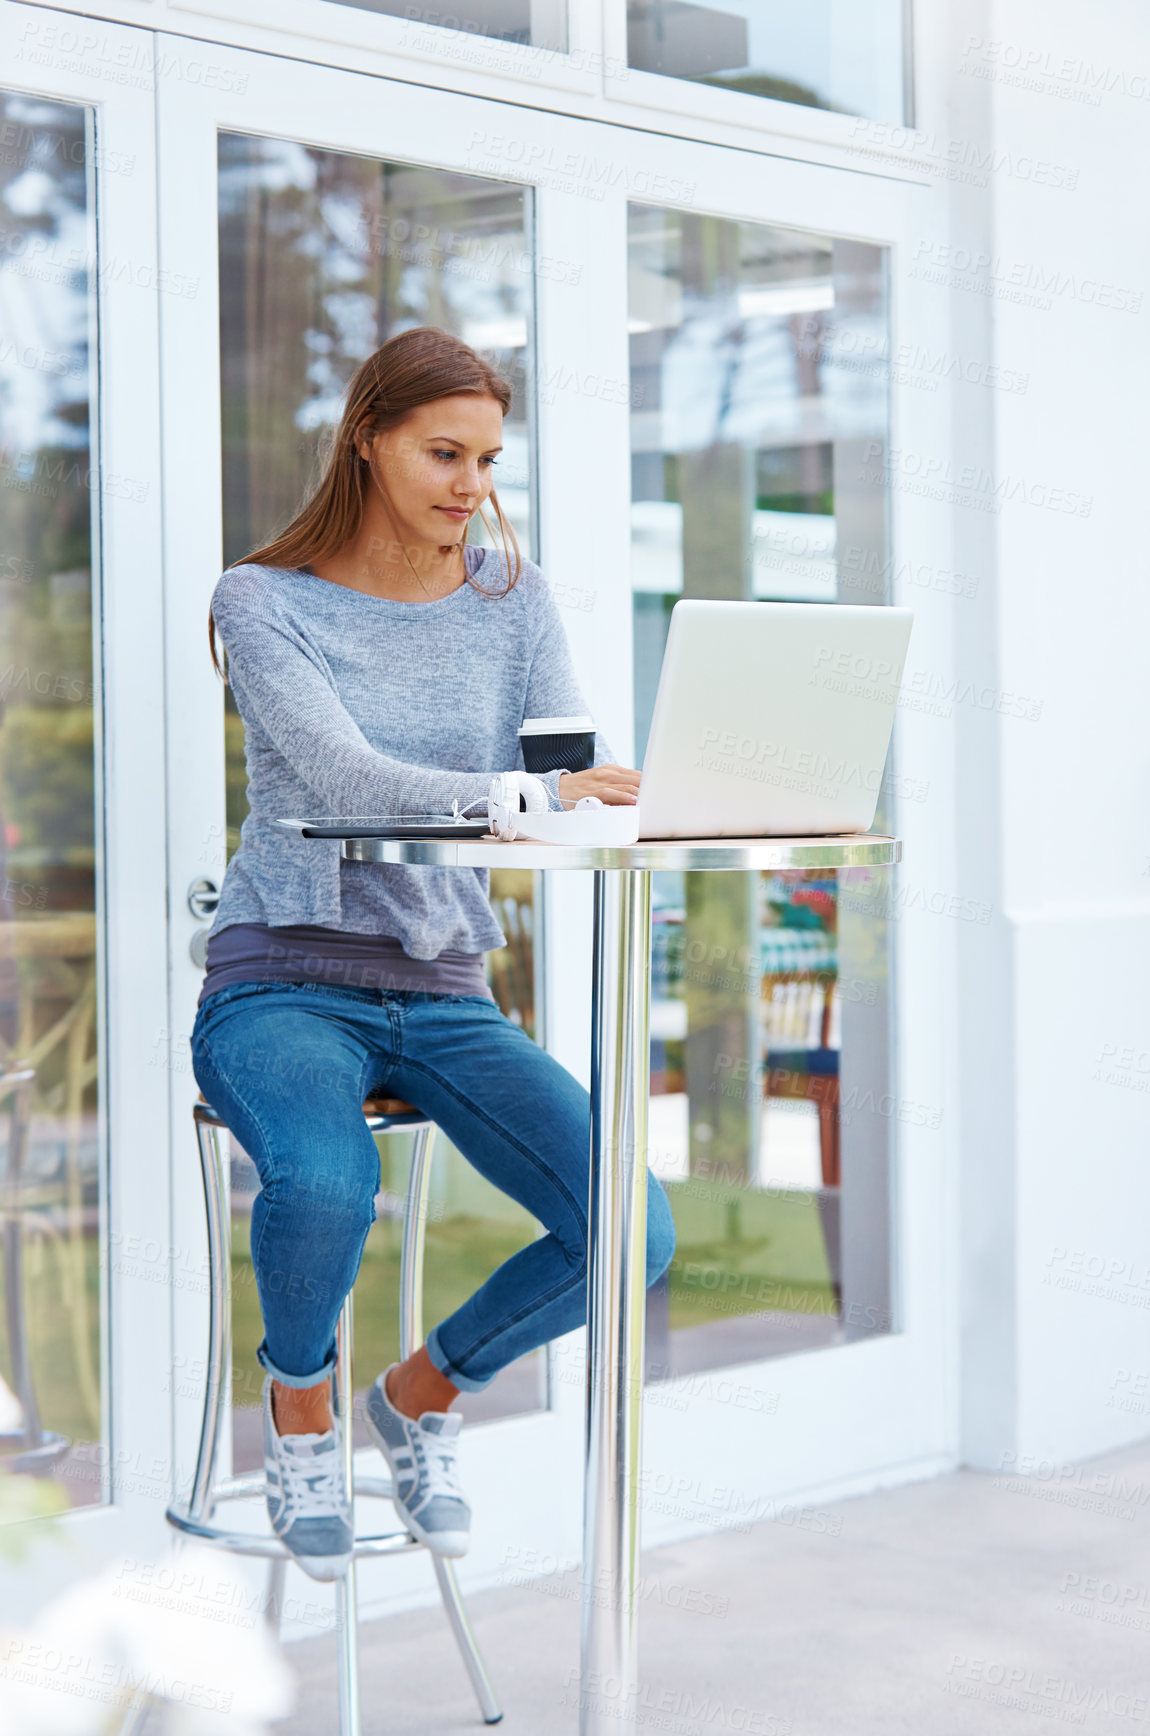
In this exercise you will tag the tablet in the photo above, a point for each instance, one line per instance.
(389, 826)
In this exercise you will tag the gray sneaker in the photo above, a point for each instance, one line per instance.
(307, 1497)
(422, 1458)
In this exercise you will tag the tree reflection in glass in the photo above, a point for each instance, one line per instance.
(759, 386)
(50, 1165)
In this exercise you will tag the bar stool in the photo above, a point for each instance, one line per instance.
(195, 1517)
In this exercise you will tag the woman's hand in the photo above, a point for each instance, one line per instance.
(618, 786)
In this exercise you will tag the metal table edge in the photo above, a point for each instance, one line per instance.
(863, 850)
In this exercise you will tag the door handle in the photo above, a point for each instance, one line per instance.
(203, 898)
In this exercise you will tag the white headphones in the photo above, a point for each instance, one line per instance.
(515, 793)
(512, 794)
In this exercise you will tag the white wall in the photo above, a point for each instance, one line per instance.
(1053, 813)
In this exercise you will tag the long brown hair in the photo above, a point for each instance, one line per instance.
(413, 368)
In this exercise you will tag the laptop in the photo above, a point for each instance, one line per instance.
(771, 719)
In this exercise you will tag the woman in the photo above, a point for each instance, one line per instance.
(383, 667)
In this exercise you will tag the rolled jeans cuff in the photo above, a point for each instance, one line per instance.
(444, 1364)
(299, 1381)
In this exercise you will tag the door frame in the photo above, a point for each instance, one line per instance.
(849, 1417)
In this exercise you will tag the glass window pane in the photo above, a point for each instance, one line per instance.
(323, 256)
(51, 1421)
(541, 23)
(831, 54)
(759, 428)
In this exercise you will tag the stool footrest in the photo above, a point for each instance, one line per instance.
(261, 1543)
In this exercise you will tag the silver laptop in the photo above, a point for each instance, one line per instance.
(771, 719)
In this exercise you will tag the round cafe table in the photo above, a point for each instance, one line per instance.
(620, 1006)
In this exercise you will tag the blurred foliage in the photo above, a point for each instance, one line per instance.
(46, 784)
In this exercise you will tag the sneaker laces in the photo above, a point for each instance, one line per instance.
(438, 1466)
(312, 1487)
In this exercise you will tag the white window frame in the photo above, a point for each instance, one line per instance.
(132, 872)
(591, 79)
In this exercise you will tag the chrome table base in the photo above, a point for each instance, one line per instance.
(618, 1205)
(616, 1292)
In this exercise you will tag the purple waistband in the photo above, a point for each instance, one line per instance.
(252, 952)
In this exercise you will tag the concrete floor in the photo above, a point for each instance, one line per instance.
(971, 1605)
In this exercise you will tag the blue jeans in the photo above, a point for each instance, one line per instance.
(288, 1066)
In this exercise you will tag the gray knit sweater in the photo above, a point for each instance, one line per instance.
(357, 705)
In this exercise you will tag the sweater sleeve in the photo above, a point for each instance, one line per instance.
(287, 688)
(552, 687)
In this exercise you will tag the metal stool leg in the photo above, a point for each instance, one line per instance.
(346, 1596)
(410, 1338)
(472, 1657)
(274, 1600)
(414, 1239)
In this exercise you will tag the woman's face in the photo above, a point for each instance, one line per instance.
(438, 465)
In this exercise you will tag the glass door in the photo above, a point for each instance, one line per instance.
(83, 1105)
(323, 251)
(321, 211)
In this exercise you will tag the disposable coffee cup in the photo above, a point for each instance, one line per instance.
(557, 744)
